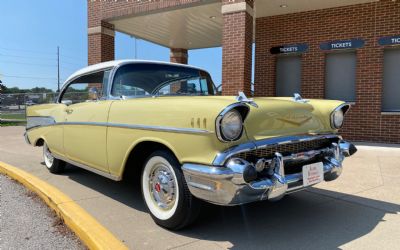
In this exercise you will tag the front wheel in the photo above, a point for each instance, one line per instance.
(165, 192)
(54, 165)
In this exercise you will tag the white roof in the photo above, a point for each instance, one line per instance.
(111, 64)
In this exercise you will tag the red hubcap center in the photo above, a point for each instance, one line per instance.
(157, 187)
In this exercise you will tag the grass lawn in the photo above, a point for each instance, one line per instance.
(18, 116)
(7, 124)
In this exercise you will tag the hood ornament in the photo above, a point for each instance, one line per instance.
(243, 99)
(297, 98)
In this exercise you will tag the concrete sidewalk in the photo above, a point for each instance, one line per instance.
(360, 210)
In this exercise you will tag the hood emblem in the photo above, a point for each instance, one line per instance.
(297, 98)
(295, 119)
(243, 99)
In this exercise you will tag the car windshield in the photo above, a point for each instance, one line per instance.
(149, 79)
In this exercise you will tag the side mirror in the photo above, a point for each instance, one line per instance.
(66, 102)
(93, 94)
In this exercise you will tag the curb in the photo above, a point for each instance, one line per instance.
(88, 229)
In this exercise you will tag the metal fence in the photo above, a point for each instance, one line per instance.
(12, 106)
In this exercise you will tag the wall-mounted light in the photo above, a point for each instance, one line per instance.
(213, 17)
(283, 6)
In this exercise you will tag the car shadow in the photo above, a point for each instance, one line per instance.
(125, 191)
(312, 219)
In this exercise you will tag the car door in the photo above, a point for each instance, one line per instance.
(85, 123)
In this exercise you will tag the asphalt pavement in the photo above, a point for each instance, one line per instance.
(360, 210)
(27, 223)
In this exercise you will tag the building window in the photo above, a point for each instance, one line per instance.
(391, 80)
(288, 75)
(340, 76)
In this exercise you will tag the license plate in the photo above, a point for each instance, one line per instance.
(313, 174)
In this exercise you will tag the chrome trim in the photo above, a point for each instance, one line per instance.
(94, 170)
(37, 121)
(224, 185)
(129, 126)
(342, 106)
(27, 139)
(223, 113)
(222, 157)
(243, 99)
(297, 98)
(279, 184)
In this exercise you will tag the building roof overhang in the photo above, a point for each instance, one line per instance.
(200, 26)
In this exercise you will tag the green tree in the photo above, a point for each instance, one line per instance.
(3, 88)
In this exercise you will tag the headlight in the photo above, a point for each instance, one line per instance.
(231, 126)
(337, 118)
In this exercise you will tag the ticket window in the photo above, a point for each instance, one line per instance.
(391, 80)
(340, 76)
(288, 75)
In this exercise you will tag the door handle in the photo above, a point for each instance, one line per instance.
(69, 111)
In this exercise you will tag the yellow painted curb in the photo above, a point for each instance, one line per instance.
(90, 231)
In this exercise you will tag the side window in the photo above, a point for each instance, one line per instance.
(82, 89)
(76, 93)
(133, 80)
(192, 86)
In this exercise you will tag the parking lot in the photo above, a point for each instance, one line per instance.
(360, 210)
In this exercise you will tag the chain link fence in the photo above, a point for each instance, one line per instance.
(12, 106)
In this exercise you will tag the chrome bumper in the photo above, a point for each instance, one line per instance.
(234, 183)
(27, 138)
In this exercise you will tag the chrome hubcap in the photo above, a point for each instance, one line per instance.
(162, 187)
(48, 157)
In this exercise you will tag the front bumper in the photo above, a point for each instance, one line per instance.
(27, 139)
(234, 182)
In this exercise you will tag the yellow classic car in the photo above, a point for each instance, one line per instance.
(166, 122)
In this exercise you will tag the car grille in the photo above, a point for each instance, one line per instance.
(284, 149)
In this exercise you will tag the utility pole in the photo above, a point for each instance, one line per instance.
(135, 47)
(135, 51)
(58, 69)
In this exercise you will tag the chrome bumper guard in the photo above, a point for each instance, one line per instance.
(235, 184)
(27, 138)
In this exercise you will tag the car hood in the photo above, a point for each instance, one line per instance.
(274, 116)
(284, 116)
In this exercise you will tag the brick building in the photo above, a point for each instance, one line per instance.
(334, 49)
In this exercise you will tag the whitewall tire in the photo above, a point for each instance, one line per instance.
(53, 164)
(165, 192)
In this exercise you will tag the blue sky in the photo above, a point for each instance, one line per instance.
(30, 32)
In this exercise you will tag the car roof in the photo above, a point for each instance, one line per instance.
(114, 63)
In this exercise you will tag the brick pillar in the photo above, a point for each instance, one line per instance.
(237, 39)
(100, 35)
(178, 56)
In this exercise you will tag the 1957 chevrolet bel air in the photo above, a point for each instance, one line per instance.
(165, 121)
